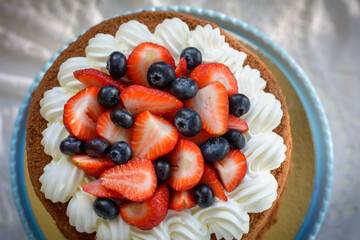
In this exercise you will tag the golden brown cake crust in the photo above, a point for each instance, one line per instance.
(37, 159)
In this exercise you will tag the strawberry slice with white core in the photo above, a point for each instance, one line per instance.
(211, 179)
(93, 166)
(153, 136)
(107, 130)
(135, 180)
(142, 57)
(212, 104)
(237, 124)
(81, 113)
(231, 169)
(187, 165)
(97, 189)
(206, 73)
(181, 200)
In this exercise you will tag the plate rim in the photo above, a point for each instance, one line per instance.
(319, 125)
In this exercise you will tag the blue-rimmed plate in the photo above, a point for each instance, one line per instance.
(294, 74)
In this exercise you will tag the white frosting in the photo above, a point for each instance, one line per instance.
(264, 150)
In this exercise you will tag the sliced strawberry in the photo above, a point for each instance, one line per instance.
(200, 138)
(181, 200)
(181, 68)
(206, 73)
(81, 113)
(148, 214)
(93, 166)
(138, 98)
(135, 180)
(106, 129)
(142, 57)
(237, 123)
(187, 165)
(231, 169)
(94, 77)
(211, 179)
(153, 136)
(212, 104)
(97, 189)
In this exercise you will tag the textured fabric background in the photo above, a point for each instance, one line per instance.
(322, 36)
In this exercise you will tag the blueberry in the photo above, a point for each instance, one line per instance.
(120, 152)
(160, 75)
(72, 146)
(122, 118)
(109, 96)
(96, 147)
(203, 195)
(116, 65)
(184, 88)
(188, 122)
(106, 208)
(192, 56)
(239, 104)
(235, 138)
(162, 168)
(215, 149)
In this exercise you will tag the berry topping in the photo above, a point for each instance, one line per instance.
(211, 179)
(207, 73)
(160, 75)
(231, 170)
(181, 68)
(211, 103)
(72, 146)
(122, 118)
(94, 77)
(215, 149)
(192, 56)
(181, 200)
(200, 138)
(148, 214)
(184, 88)
(142, 57)
(120, 152)
(138, 98)
(237, 123)
(96, 147)
(109, 96)
(81, 113)
(95, 188)
(107, 130)
(106, 208)
(153, 136)
(188, 122)
(235, 139)
(162, 168)
(203, 195)
(187, 166)
(135, 180)
(239, 104)
(93, 166)
(116, 65)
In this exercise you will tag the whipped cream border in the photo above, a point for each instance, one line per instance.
(264, 150)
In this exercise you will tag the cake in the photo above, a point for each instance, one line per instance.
(267, 151)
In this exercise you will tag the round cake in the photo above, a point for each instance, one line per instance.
(249, 210)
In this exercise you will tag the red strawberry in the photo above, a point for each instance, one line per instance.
(93, 166)
(95, 188)
(212, 104)
(94, 77)
(81, 113)
(138, 98)
(106, 129)
(148, 214)
(200, 138)
(206, 73)
(142, 57)
(231, 169)
(135, 180)
(237, 123)
(181, 68)
(153, 136)
(211, 179)
(187, 165)
(181, 200)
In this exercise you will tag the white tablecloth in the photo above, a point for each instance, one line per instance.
(322, 36)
